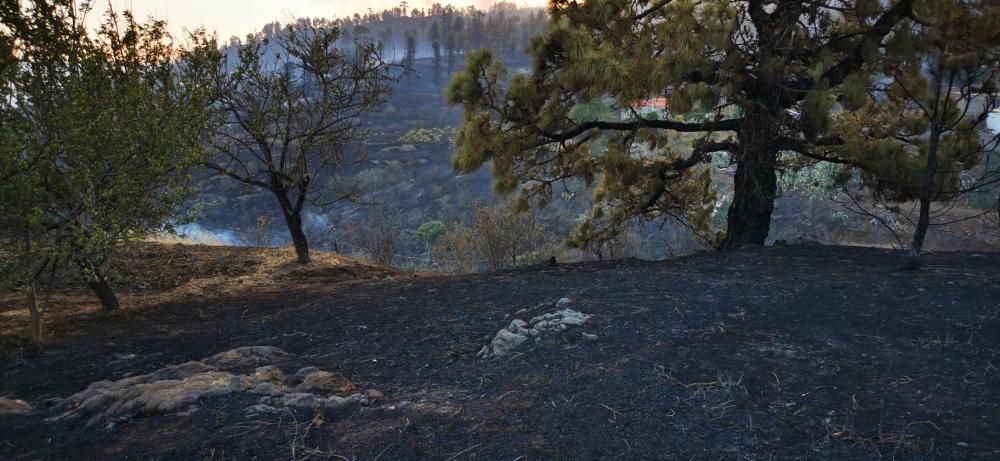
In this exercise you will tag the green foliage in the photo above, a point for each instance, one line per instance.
(431, 231)
(529, 258)
(593, 110)
(734, 74)
(925, 119)
(100, 134)
(428, 136)
(814, 181)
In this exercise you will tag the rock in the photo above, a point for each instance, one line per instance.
(247, 356)
(266, 389)
(299, 399)
(174, 372)
(260, 409)
(176, 387)
(300, 376)
(504, 342)
(374, 394)
(779, 243)
(327, 381)
(268, 374)
(563, 303)
(572, 317)
(14, 407)
(518, 331)
(121, 357)
(105, 400)
(590, 337)
(306, 400)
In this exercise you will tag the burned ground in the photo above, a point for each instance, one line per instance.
(783, 353)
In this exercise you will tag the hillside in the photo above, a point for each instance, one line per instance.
(153, 273)
(776, 353)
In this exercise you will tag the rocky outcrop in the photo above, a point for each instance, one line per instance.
(520, 331)
(179, 386)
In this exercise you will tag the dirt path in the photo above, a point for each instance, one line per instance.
(792, 353)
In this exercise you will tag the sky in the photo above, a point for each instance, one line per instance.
(240, 17)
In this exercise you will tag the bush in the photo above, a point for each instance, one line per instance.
(428, 136)
(380, 240)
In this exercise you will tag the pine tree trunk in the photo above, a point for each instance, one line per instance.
(293, 218)
(100, 286)
(755, 185)
(926, 194)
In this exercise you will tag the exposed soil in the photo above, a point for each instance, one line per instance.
(778, 353)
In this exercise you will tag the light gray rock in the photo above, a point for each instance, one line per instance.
(174, 372)
(519, 331)
(306, 400)
(247, 356)
(268, 374)
(14, 407)
(266, 389)
(175, 387)
(105, 400)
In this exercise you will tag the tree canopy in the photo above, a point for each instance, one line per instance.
(750, 79)
(290, 106)
(100, 134)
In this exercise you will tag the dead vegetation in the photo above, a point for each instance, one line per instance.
(155, 273)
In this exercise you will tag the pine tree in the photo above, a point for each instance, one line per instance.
(410, 55)
(750, 79)
(435, 36)
(918, 130)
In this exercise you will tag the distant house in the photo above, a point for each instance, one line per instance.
(973, 106)
(655, 108)
(993, 121)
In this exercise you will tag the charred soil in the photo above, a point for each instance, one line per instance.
(777, 353)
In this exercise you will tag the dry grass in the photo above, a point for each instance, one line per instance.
(154, 273)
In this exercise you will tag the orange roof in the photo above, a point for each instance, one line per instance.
(657, 103)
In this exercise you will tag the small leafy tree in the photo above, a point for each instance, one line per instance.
(100, 134)
(291, 106)
(429, 233)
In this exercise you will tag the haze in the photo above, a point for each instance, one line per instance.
(239, 17)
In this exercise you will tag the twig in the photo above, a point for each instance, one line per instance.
(456, 455)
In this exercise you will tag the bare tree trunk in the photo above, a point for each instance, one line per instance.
(293, 219)
(98, 283)
(34, 313)
(104, 292)
(926, 194)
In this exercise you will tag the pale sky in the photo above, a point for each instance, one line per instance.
(239, 17)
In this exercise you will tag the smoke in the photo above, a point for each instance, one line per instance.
(314, 223)
(198, 234)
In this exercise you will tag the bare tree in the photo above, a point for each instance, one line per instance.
(290, 109)
(502, 234)
(381, 236)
